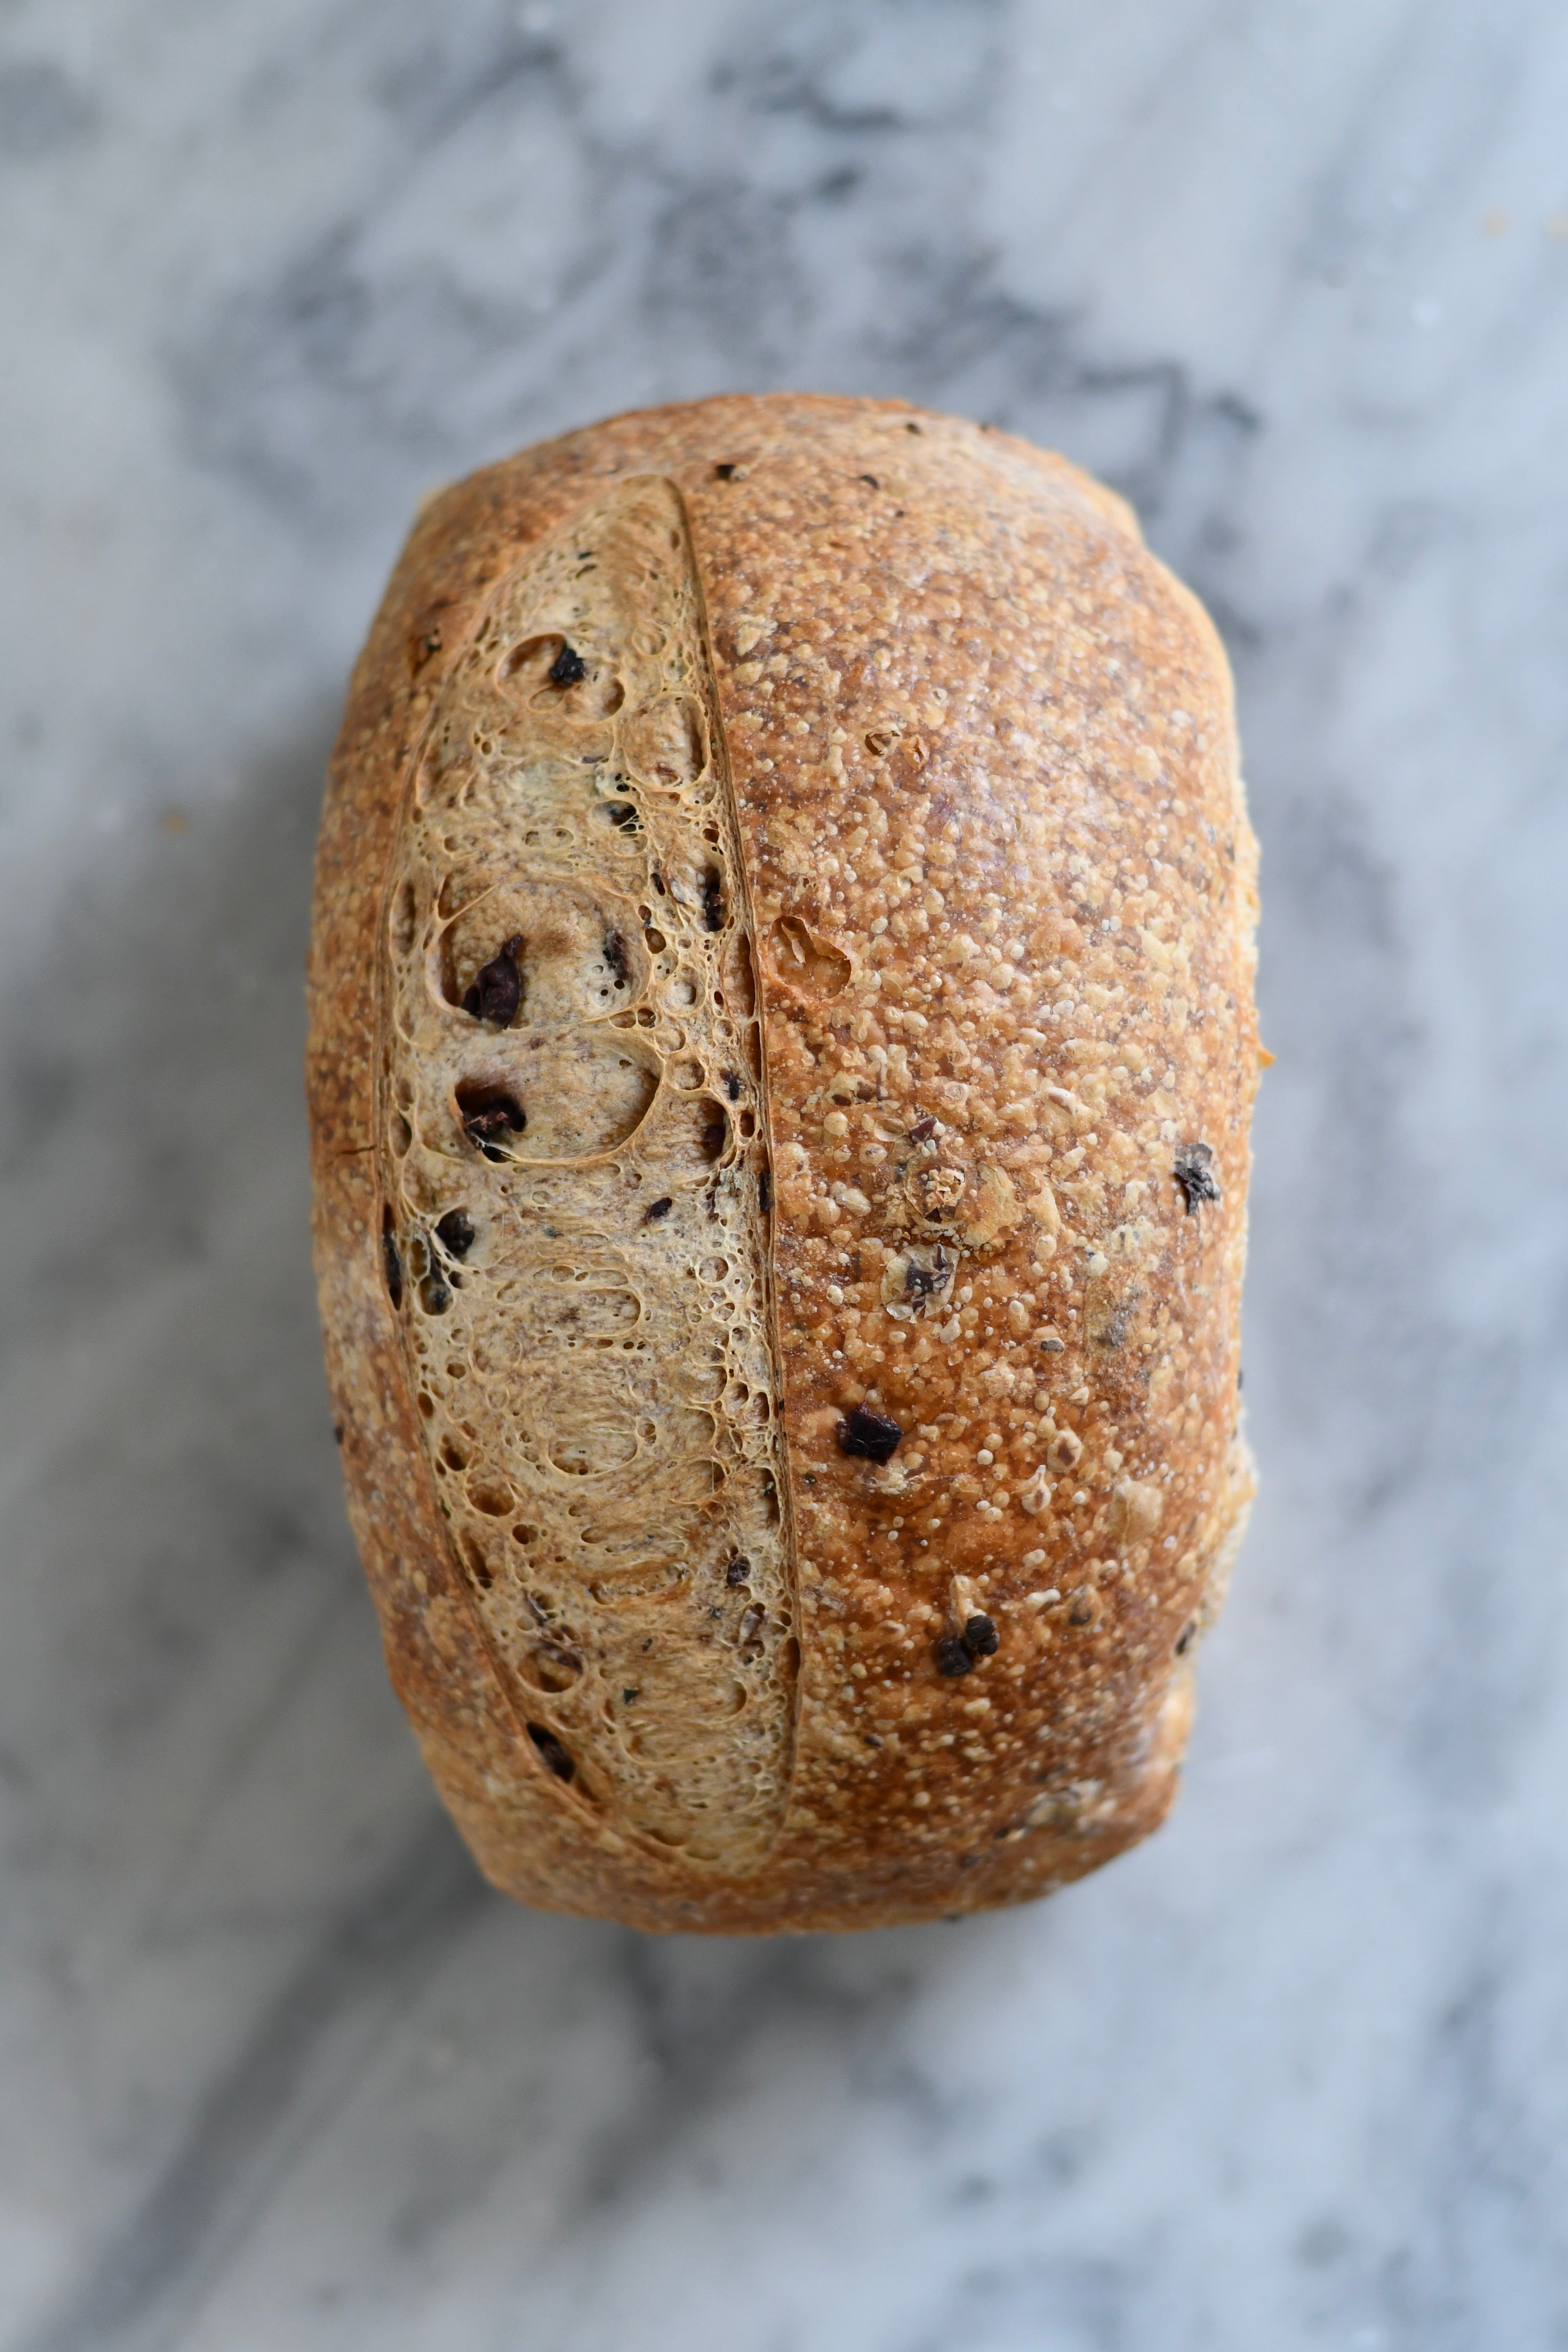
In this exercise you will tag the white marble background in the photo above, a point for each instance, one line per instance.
(278, 2074)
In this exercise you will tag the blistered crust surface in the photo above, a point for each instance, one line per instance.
(994, 850)
(1004, 881)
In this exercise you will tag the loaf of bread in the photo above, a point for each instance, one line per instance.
(782, 1050)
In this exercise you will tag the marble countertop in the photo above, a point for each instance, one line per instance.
(277, 2073)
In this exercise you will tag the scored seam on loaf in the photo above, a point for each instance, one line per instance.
(574, 1149)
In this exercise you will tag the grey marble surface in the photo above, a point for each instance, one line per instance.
(277, 2072)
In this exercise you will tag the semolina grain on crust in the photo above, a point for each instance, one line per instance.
(780, 1059)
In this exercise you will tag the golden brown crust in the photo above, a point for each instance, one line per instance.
(982, 786)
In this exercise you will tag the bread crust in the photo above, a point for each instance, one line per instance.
(964, 760)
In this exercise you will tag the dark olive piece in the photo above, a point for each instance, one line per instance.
(921, 1281)
(497, 992)
(455, 1232)
(486, 1124)
(391, 1261)
(568, 668)
(870, 1434)
(952, 1657)
(738, 1572)
(981, 1638)
(1193, 1171)
(656, 1209)
(551, 1754)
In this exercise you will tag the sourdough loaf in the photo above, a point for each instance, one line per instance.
(782, 1048)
